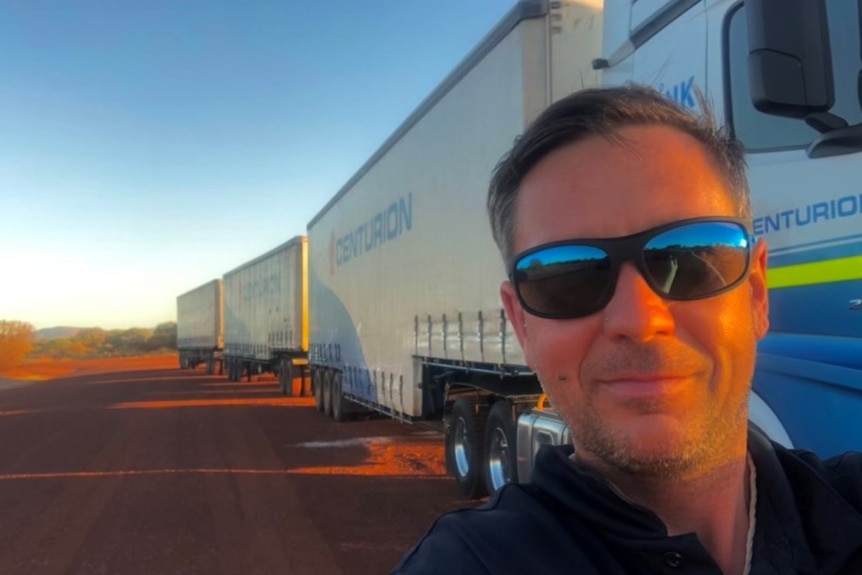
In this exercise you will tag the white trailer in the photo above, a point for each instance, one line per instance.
(266, 317)
(404, 276)
(403, 271)
(200, 326)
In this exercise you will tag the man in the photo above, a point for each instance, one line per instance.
(638, 295)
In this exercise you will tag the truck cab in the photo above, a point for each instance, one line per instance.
(785, 76)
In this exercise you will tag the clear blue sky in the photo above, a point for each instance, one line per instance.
(147, 147)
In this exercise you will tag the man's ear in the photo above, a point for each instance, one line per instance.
(759, 290)
(516, 315)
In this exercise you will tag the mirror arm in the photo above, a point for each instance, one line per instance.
(837, 142)
(825, 122)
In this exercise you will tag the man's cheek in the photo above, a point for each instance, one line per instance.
(535, 353)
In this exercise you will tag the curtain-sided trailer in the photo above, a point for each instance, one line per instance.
(398, 307)
(200, 327)
(404, 276)
(403, 273)
(266, 317)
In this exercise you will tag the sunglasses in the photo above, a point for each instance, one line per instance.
(684, 260)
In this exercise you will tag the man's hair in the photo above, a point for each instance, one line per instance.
(604, 112)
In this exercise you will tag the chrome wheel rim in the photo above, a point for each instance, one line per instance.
(460, 446)
(499, 468)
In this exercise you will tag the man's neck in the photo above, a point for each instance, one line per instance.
(713, 505)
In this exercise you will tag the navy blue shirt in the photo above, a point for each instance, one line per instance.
(809, 521)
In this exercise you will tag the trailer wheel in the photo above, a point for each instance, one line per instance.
(327, 392)
(306, 381)
(210, 366)
(339, 413)
(294, 387)
(501, 462)
(464, 444)
(284, 375)
(317, 384)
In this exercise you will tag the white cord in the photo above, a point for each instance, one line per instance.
(752, 514)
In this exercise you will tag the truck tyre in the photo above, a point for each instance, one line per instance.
(294, 385)
(464, 442)
(210, 367)
(306, 381)
(317, 385)
(501, 461)
(282, 379)
(339, 411)
(327, 392)
(287, 378)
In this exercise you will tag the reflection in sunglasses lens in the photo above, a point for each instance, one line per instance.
(564, 279)
(697, 260)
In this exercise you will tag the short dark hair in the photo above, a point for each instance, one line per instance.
(604, 111)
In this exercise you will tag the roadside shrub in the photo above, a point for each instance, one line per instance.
(16, 341)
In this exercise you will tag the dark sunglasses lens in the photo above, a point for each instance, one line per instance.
(563, 281)
(697, 260)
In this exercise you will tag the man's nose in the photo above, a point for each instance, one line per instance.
(636, 311)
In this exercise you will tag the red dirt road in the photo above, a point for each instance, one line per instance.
(169, 471)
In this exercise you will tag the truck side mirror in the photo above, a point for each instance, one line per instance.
(789, 60)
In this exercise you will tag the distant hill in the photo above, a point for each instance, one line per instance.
(61, 332)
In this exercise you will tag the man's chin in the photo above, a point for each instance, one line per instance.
(657, 457)
(656, 433)
(649, 445)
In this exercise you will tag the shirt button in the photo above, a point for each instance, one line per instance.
(673, 559)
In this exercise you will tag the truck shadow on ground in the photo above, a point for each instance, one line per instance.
(157, 458)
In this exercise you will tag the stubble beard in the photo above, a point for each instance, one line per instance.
(706, 440)
(705, 445)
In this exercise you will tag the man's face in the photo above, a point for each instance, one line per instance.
(647, 385)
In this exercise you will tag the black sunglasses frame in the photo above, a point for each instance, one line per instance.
(631, 248)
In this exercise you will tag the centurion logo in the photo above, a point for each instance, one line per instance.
(384, 226)
(812, 214)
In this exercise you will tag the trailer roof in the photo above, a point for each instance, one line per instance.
(523, 10)
(207, 284)
(292, 241)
